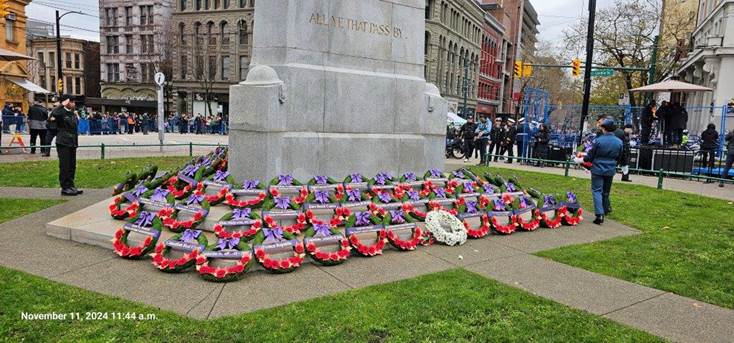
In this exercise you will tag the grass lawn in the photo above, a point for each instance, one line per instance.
(89, 173)
(687, 245)
(14, 208)
(455, 305)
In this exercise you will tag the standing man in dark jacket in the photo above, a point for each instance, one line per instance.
(468, 131)
(647, 117)
(604, 156)
(709, 145)
(729, 156)
(495, 138)
(677, 122)
(624, 158)
(509, 134)
(67, 141)
(37, 117)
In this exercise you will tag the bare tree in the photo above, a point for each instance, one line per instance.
(675, 34)
(167, 38)
(623, 37)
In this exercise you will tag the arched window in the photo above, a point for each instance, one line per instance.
(242, 32)
(198, 5)
(182, 5)
(210, 33)
(427, 44)
(243, 3)
(223, 33)
(216, 4)
(225, 4)
(197, 34)
(182, 34)
(206, 4)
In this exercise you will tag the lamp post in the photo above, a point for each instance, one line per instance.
(465, 86)
(59, 74)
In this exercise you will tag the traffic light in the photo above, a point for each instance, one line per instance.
(60, 86)
(4, 6)
(527, 70)
(518, 69)
(576, 63)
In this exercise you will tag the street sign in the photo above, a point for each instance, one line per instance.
(160, 78)
(602, 72)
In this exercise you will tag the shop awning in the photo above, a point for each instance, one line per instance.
(30, 86)
(8, 55)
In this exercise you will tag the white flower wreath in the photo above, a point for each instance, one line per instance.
(446, 228)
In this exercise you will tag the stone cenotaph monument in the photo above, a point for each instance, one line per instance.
(336, 87)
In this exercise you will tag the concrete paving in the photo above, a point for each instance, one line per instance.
(25, 246)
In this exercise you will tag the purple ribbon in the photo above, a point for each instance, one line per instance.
(382, 177)
(190, 170)
(221, 176)
(321, 197)
(488, 189)
(190, 235)
(588, 146)
(139, 191)
(523, 202)
(285, 180)
(410, 176)
(250, 184)
(356, 177)
(273, 235)
(384, 197)
(195, 199)
(145, 219)
(363, 218)
(468, 187)
(571, 197)
(511, 187)
(471, 207)
(440, 192)
(282, 202)
(499, 205)
(459, 174)
(159, 195)
(413, 195)
(228, 243)
(549, 201)
(435, 172)
(241, 213)
(354, 195)
(321, 180)
(397, 216)
(321, 230)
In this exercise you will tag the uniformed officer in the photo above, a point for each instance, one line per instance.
(67, 140)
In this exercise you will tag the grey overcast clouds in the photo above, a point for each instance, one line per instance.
(555, 15)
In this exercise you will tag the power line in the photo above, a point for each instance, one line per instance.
(50, 5)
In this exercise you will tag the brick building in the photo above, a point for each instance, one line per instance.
(491, 67)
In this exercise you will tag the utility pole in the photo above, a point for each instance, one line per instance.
(59, 74)
(653, 67)
(587, 71)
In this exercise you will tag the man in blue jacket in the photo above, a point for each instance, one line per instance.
(603, 155)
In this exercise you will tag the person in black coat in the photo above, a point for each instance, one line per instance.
(509, 133)
(468, 132)
(37, 116)
(542, 139)
(729, 156)
(495, 137)
(709, 145)
(67, 141)
(665, 116)
(624, 158)
(678, 120)
(647, 117)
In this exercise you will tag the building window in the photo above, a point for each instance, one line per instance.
(212, 68)
(147, 71)
(242, 32)
(67, 58)
(244, 65)
(206, 4)
(9, 30)
(53, 83)
(52, 59)
(146, 15)
(113, 72)
(113, 44)
(184, 66)
(78, 85)
(198, 5)
(182, 34)
(209, 33)
(43, 82)
(216, 4)
(69, 86)
(129, 44)
(128, 16)
(111, 16)
(199, 67)
(225, 4)
(40, 58)
(243, 3)
(252, 3)
(182, 5)
(225, 67)
(77, 61)
(223, 33)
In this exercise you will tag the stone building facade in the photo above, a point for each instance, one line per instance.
(73, 63)
(132, 39)
(453, 40)
(213, 46)
(491, 68)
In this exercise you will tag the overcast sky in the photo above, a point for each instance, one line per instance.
(45, 10)
(555, 15)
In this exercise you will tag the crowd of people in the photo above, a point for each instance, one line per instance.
(670, 118)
